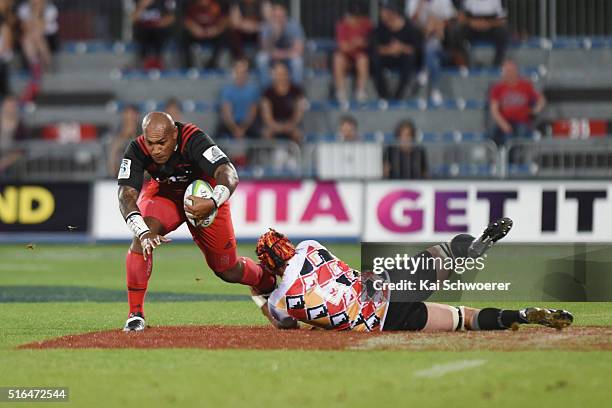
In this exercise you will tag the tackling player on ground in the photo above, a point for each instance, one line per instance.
(175, 154)
(320, 290)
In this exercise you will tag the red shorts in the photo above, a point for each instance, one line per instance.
(217, 242)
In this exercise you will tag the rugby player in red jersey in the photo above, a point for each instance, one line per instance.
(175, 154)
(319, 289)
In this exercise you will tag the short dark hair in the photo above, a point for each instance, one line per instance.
(403, 124)
(348, 119)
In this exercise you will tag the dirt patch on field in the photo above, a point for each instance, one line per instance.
(245, 337)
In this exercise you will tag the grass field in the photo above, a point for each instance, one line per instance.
(52, 291)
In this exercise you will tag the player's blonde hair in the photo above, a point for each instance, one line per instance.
(274, 249)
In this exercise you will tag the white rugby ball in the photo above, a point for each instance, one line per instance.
(199, 188)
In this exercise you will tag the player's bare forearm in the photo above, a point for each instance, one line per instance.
(227, 175)
(285, 324)
(127, 200)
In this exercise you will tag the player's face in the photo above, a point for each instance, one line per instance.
(161, 144)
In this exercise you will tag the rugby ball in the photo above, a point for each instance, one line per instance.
(199, 188)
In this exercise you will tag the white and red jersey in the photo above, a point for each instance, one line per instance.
(319, 289)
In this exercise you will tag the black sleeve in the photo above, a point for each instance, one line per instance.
(131, 172)
(201, 149)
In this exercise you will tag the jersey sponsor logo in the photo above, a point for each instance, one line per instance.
(213, 154)
(124, 170)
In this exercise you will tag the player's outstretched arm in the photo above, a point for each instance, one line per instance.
(127, 200)
(149, 240)
(287, 323)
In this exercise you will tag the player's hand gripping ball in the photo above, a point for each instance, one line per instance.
(200, 189)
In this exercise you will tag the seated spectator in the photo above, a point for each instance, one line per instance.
(173, 108)
(6, 55)
(39, 38)
(239, 102)
(283, 107)
(347, 130)
(397, 45)
(513, 103)
(352, 34)
(8, 14)
(282, 40)
(12, 131)
(246, 17)
(434, 18)
(152, 20)
(484, 20)
(123, 135)
(405, 159)
(205, 23)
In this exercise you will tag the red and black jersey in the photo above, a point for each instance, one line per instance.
(196, 156)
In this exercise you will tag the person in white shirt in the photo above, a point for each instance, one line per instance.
(485, 20)
(434, 17)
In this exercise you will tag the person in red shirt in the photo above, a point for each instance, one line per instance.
(513, 103)
(205, 23)
(352, 38)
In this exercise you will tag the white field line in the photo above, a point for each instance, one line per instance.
(439, 370)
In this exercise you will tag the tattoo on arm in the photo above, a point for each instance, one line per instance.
(226, 175)
(127, 200)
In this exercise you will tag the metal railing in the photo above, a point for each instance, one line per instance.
(585, 158)
(51, 161)
(265, 158)
(545, 159)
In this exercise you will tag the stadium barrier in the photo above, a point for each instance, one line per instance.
(401, 211)
(44, 207)
(441, 156)
(549, 158)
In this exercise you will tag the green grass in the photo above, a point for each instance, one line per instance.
(102, 378)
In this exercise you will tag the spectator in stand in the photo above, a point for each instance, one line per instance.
(123, 135)
(8, 13)
(484, 20)
(173, 108)
(12, 131)
(348, 129)
(405, 159)
(514, 102)
(205, 23)
(282, 40)
(39, 39)
(152, 21)
(246, 17)
(6, 55)
(434, 17)
(239, 102)
(352, 33)
(398, 45)
(283, 107)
